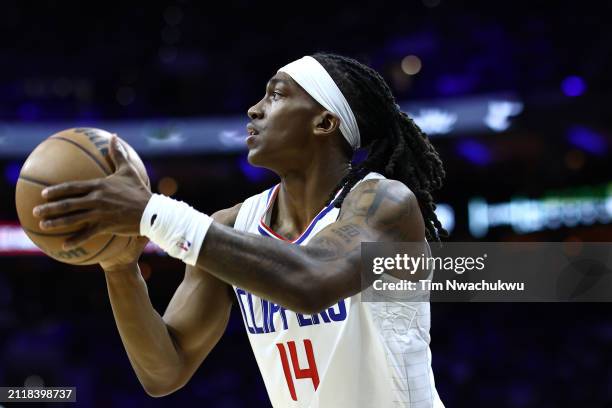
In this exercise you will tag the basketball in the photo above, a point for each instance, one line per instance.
(70, 155)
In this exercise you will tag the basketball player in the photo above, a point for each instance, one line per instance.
(289, 255)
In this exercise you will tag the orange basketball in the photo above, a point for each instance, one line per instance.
(70, 155)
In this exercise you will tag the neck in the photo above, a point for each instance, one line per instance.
(304, 193)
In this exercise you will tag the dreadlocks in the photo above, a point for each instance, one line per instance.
(397, 148)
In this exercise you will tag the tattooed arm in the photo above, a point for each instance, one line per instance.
(309, 278)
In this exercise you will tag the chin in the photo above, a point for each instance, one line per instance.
(254, 158)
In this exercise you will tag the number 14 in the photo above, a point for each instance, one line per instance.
(300, 373)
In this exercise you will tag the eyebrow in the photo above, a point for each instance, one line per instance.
(275, 81)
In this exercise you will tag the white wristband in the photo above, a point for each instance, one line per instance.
(175, 227)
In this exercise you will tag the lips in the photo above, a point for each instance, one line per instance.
(252, 133)
(252, 130)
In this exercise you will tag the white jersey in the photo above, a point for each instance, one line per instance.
(354, 354)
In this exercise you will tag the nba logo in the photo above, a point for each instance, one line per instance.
(183, 244)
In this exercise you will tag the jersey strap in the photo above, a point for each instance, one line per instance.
(265, 230)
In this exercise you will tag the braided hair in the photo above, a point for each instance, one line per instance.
(396, 146)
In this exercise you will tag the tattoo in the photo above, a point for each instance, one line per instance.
(378, 199)
(377, 211)
(358, 206)
(382, 207)
(346, 232)
(327, 249)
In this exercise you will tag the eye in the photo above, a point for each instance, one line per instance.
(276, 95)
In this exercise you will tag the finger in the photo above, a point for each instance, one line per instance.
(57, 208)
(70, 188)
(69, 221)
(141, 240)
(120, 157)
(80, 238)
(118, 153)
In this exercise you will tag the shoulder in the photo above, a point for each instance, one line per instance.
(227, 216)
(242, 214)
(386, 205)
(371, 195)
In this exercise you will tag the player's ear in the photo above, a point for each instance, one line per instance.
(326, 123)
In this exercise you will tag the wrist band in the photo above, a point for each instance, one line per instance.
(175, 227)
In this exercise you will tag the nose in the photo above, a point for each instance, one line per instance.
(255, 112)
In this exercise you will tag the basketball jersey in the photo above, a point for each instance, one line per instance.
(353, 354)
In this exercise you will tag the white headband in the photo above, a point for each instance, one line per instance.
(315, 80)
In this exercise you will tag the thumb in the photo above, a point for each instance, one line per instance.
(117, 153)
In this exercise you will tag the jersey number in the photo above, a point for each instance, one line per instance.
(300, 373)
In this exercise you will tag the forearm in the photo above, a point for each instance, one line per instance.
(274, 270)
(143, 332)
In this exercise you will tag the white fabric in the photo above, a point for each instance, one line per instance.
(175, 227)
(378, 356)
(315, 80)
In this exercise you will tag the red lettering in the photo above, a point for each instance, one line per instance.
(300, 373)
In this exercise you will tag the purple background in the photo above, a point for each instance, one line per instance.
(108, 61)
